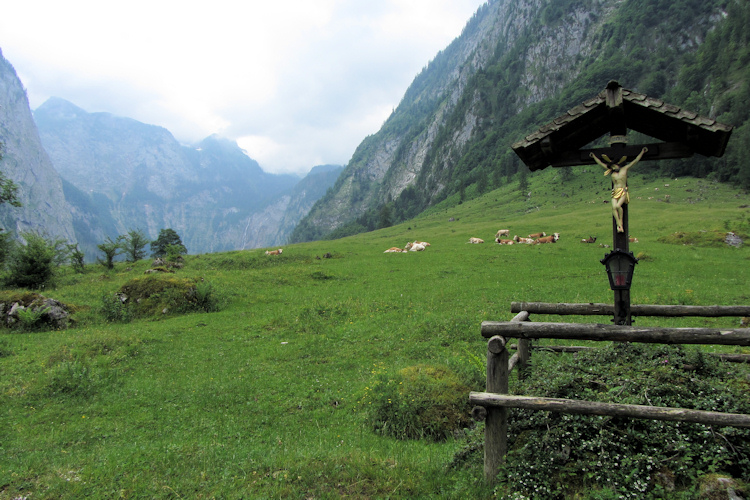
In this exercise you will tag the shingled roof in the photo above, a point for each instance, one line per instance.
(558, 143)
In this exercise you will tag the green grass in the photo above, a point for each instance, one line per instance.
(264, 398)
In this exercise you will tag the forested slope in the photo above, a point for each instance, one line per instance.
(516, 66)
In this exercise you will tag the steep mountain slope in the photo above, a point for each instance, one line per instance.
(26, 163)
(122, 174)
(517, 65)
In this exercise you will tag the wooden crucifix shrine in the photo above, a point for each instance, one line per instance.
(614, 111)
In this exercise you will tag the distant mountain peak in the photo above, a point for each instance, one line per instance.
(60, 109)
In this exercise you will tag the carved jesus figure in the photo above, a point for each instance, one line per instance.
(619, 183)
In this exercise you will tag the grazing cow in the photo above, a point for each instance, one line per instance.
(274, 252)
(633, 240)
(395, 250)
(475, 240)
(590, 239)
(548, 239)
(527, 241)
(417, 247)
(538, 235)
(502, 232)
(504, 242)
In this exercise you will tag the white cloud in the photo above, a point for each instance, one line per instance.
(296, 83)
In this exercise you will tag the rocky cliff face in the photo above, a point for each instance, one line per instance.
(26, 163)
(121, 174)
(512, 55)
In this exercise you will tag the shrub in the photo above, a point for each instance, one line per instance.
(31, 318)
(205, 297)
(77, 259)
(419, 401)
(114, 309)
(32, 265)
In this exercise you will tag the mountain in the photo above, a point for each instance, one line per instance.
(25, 162)
(121, 174)
(517, 65)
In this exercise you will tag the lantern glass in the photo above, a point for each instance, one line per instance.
(620, 266)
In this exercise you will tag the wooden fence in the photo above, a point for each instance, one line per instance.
(493, 404)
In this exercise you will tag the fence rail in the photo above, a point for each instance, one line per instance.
(635, 310)
(620, 333)
(579, 407)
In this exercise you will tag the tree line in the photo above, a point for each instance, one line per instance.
(32, 262)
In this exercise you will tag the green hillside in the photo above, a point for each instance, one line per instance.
(689, 53)
(270, 396)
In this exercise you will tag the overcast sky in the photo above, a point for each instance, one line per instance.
(297, 83)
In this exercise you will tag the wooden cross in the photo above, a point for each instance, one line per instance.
(614, 111)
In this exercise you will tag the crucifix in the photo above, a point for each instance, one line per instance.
(613, 112)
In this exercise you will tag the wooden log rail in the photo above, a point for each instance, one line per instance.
(635, 310)
(619, 333)
(732, 358)
(487, 399)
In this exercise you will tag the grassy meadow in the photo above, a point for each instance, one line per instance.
(268, 397)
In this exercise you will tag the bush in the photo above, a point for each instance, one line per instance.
(32, 265)
(419, 401)
(205, 297)
(31, 319)
(114, 309)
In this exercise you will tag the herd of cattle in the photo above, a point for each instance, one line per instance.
(532, 239)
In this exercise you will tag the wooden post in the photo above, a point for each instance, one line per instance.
(524, 349)
(496, 422)
(617, 131)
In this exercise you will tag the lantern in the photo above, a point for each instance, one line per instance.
(620, 266)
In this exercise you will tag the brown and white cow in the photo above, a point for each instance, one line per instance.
(274, 252)
(417, 247)
(475, 240)
(527, 241)
(548, 239)
(500, 241)
(590, 239)
(538, 235)
(395, 250)
(633, 240)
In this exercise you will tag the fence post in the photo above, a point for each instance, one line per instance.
(496, 423)
(524, 348)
